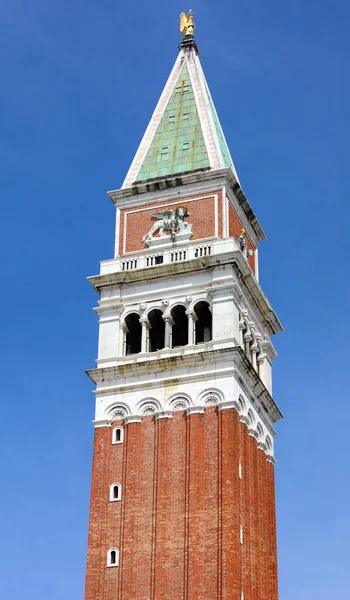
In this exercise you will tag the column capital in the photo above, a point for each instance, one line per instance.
(193, 410)
(168, 319)
(145, 322)
(132, 419)
(164, 414)
(191, 314)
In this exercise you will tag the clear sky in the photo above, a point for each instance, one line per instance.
(79, 81)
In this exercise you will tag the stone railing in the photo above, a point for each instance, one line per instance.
(151, 258)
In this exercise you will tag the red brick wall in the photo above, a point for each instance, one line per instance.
(178, 525)
(202, 217)
(234, 230)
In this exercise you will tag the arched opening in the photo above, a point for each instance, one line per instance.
(180, 327)
(115, 492)
(112, 557)
(118, 435)
(203, 323)
(157, 330)
(133, 334)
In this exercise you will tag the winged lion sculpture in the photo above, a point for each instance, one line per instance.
(169, 220)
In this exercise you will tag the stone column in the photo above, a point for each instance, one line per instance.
(192, 318)
(167, 335)
(125, 330)
(144, 337)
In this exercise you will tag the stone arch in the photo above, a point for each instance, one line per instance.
(132, 333)
(251, 418)
(260, 432)
(156, 333)
(116, 411)
(148, 406)
(179, 401)
(179, 332)
(210, 397)
(268, 444)
(242, 405)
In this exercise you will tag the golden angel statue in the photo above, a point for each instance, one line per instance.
(187, 24)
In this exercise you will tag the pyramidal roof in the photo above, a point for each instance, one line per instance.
(184, 133)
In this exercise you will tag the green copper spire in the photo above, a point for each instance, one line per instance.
(178, 145)
(184, 133)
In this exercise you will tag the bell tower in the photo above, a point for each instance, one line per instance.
(182, 496)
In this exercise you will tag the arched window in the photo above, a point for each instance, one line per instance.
(133, 334)
(112, 557)
(180, 327)
(203, 323)
(115, 492)
(157, 330)
(118, 435)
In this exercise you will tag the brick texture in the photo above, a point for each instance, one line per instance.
(234, 230)
(202, 217)
(177, 526)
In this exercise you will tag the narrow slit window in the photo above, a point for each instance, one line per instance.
(118, 435)
(164, 150)
(172, 119)
(185, 116)
(115, 492)
(112, 557)
(186, 146)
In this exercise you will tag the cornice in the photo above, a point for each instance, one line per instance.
(244, 373)
(199, 409)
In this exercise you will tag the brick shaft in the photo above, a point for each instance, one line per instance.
(177, 526)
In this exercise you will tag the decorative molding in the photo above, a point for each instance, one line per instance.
(149, 408)
(102, 423)
(180, 404)
(211, 400)
(262, 446)
(118, 413)
(193, 410)
(226, 405)
(164, 414)
(133, 419)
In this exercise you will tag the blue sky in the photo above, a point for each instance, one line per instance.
(79, 83)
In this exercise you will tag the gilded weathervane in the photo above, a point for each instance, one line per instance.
(187, 24)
